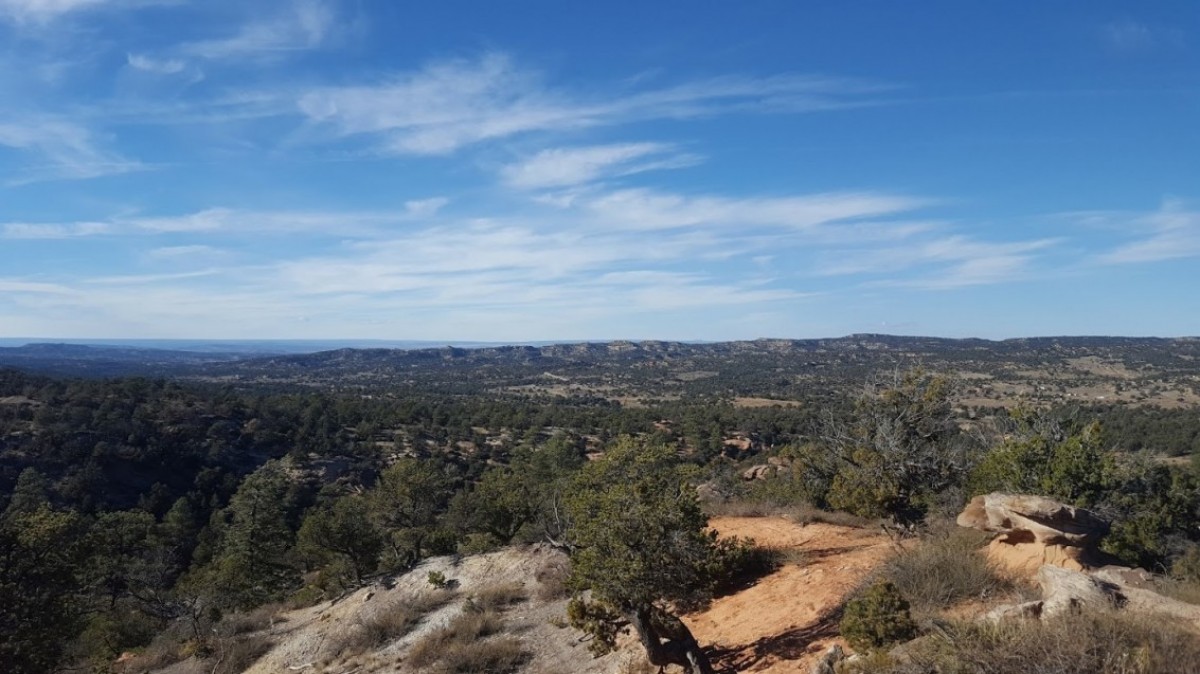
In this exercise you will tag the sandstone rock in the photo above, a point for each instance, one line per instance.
(1024, 559)
(1126, 577)
(1134, 584)
(1030, 610)
(827, 663)
(760, 472)
(1040, 519)
(709, 492)
(1065, 590)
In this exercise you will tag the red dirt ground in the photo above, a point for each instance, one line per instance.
(786, 619)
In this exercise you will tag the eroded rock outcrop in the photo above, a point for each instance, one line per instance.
(1034, 518)
(1034, 531)
(1056, 544)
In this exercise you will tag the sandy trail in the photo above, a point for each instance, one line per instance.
(788, 617)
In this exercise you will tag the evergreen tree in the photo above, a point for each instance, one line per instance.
(344, 531)
(405, 504)
(638, 542)
(252, 565)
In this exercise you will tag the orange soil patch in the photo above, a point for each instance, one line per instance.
(786, 619)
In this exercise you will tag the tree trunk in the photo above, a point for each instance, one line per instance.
(667, 640)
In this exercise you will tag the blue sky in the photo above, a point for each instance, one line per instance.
(548, 170)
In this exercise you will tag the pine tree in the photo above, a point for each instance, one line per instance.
(252, 565)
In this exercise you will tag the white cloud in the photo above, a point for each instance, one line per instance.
(43, 10)
(424, 208)
(306, 24)
(184, 252)
(26, 230)
(1129, 35)
(65, 150)
(156, 66)
(232, 221)
(563, 167)
(646, 209)
(1173, 233)
(986, 270)
(446, 106)
(140, 279)
(19, 286)
(1135, 36)
(942, 263)
(961, 251)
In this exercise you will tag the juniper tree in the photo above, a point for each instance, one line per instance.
(638, 542)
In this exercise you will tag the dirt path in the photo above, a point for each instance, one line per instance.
(780, 623)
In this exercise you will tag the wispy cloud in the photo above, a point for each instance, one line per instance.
(945, 262)
(304, 24)
(168, 66)
(62, 149)
(145, 279)
(1172, 232)
(563, 167)
(43, 10)
(27, 230)
(1132, 36)
(449, 105)
(228, 221)
(186, 252)
(9, 285)
(645, 209)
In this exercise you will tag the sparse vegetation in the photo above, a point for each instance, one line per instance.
(384, 626)
(1087, 643)
(496, 597)
(463, 646)
(945, 567)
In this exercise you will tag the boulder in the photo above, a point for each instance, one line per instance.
(828, 662)
(1065, 590)
(1030, 610)
(760, 472)
(1028, 518)
(1134, 586)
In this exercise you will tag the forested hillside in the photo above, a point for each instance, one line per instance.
(144, 510)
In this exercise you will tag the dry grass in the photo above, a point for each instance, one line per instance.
(385, 626)
(459, 636)
(800, 513)
(497, 597)
(945, 568)
(1098, 642)
(552, 580)
(166, 649)
(235, 655)
(254, 620)
(636, 663)
(492, 656)
(232, 647)
(1179, 588)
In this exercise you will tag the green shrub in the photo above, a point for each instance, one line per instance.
(1187, 564)
(736, 562)
(877, 618)
(1042, 459)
